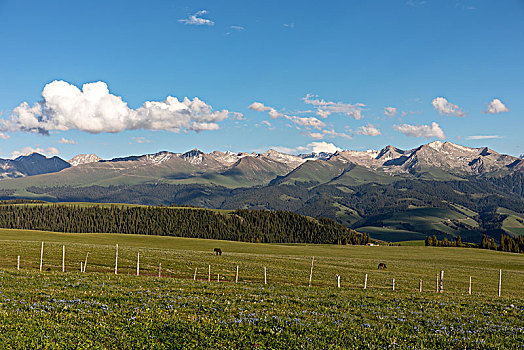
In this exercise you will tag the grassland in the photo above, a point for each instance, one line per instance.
(99, 309)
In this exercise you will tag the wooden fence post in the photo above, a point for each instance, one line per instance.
(442, 281)
(41, 256)
(338, 280)
(393, 284)
(500, 281)
(116, 260)
(311, 273)
(63, 258)
(209, 273)
(366, 281)
(194, 276)
(138, 264)
(218, 277)
(159, 269)
(437, 284)
(469, 289)
(265, 275)
(81, 266)
(85, 264)
(236, 276)
(420, 286)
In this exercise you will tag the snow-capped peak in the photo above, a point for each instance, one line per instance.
(84, 159)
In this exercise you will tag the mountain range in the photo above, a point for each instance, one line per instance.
(437, 188)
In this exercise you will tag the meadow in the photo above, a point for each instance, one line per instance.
(98, 309)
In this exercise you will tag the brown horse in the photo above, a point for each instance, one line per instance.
(218, 251)
(382, 266)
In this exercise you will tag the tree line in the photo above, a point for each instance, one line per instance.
(240, 225)
(507, 243)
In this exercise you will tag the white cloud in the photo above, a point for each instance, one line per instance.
(196, 20)
(495, 107)
(390, 111)
(51, 151)
(95, 110)
(484, 137)
(239, 28)
(444, 107)
(415, 3)
(266, 123)
(427, 131)
(369, 130)
(306, 121)
(323, 146)
(290, 25)
(326, 108)
(141, 139)
(315, 147)
(66, 141)
(259, 107)
(4, 136)
(315, 135)
(333, 133)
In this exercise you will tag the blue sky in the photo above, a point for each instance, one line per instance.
(325, 70)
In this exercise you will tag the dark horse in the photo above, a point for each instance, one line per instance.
(218, 251)
(382, 266)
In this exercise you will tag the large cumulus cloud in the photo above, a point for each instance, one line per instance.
(95, 110)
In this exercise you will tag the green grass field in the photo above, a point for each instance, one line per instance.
(99, 309)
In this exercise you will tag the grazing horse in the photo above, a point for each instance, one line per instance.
(218, 251)
(382, 266)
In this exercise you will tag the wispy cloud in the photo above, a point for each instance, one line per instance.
(289, 25)
(416, 3)
(308, 122)
(63, 140)
(495, 107)
(4, 136)
(427, 131)
(333, 133)
(484, 137)
(315, 135)
(443, 106)
(326, 108)
(369, 130)
(239, 28)
(390, 111)
(140, 140)
(197, 20)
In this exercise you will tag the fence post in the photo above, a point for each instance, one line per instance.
(209, 273)
(159, 269)
(420, 286)
(138, 264)
(218, 277)
(85, 264)
(265, 275)
(338, 281)
(194, 276)
(469, 289)
(18, 263)
(366, 281)
(311, 273)
(442, 281)
(116, 260)
(81, 266)
(63, 258)
(500, 281)
(41, 256)
(393, 284)
(236, 276)
(437, 284)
